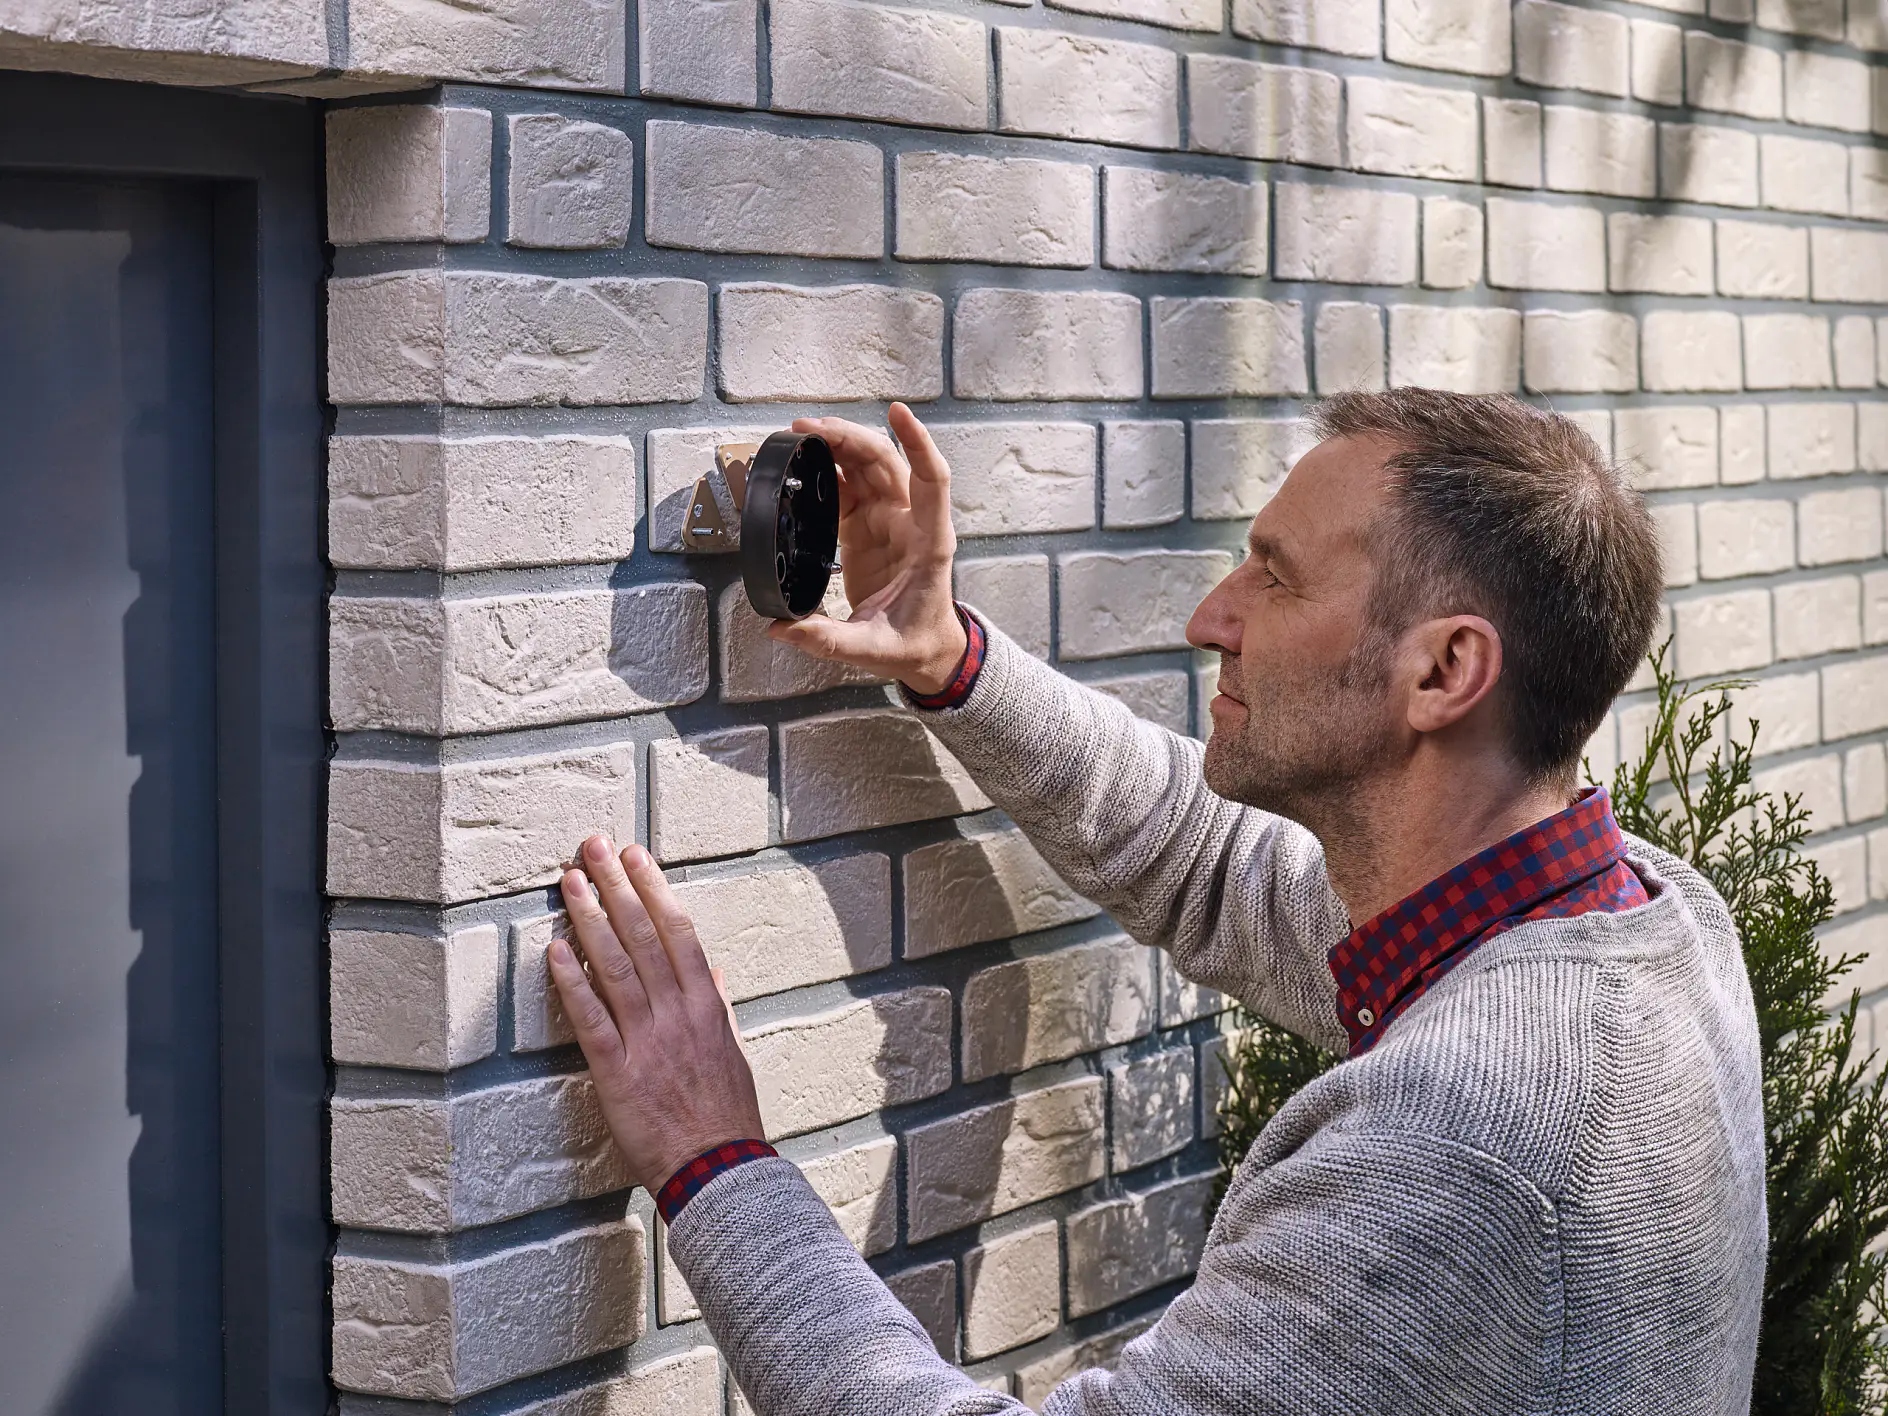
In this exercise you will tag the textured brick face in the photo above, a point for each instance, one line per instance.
(1110, 249)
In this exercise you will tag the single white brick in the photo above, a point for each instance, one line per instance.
(1875, 607)
(1338, 26)
(442, 667)
(1137, 601)
(1839, 526)
(1349, 348)
(1009, 478)
(413, 1000)
(442, 1330)
(929, 1294)
(1452, 243)
(860, 1186)
(1180, 221)
(1658, 63)
(700, 50)
(685, 1384)
(1787, 351)
(997, 1158)
(1855, 352)
(1762, 261)
(570, 185)
(1756, 536)
(1818, 617)
(1824, 91)
(1580, 351)
(1228, 347)
(1786, 712)
(1012, 1290)
(1706, 162)
(436, 1165)
(1151, 1100)
(1817, 17)
(1511, 137)
(1046, 1007)
(1848, 265)
(1046, 344)
(741, 189)
(987, 883)
(1591, 151)
(1855, 697)
(516, 42)
(1664, 255)
(1562, 46)
(1817, 782)
(1543, 246)
(708, 794)
(1667, 447)
(1742, 434)
(481, 503)
(1677, 525)
(1158, 697)
(409, 172)
(441, 833)
(1845, 864)
(1273, 112)
(1350, 235)
(792, 343)
(787, 926)
(1126, 1246)
(1868, 182)
(1411, 130)
(678, 458)
(1239, 464)
(879, 61)
(1811, 439)
(1143, 473)
(1173, 14)
(1094, 90)
(1011, 592)
(1682, 351)
(1468, 36)
(493, 341)
(1459, 348)
(1865, 781)
(1006, 211)
(1804, 174)
(818, 1069)
(1871, 430)
(1729, 76)
(1723, 633)
(857, 771)
(755, 667)
(1867, 27)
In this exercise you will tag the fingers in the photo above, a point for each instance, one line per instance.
(869, 459)
(674, 929)
(596, 1031)
(612, 972)
(930, 480)
(870, 644)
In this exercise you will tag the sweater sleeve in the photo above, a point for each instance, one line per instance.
(1363, 1274)
(1121, 809)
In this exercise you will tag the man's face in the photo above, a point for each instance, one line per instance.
(1303, 710)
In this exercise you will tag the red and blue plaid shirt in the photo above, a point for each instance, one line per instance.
(1569, 864)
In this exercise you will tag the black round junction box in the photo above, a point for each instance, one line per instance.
(790, 526)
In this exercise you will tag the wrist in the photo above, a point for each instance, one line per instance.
(689, 1177)
(942, 666)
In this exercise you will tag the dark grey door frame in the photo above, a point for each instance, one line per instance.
(262, 156)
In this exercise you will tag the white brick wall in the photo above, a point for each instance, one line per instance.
(1111, 250)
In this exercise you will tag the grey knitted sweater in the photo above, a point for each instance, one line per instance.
(1542, 1191)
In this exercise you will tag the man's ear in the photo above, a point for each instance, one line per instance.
(1459, 660)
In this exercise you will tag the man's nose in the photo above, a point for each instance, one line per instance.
(1215, 625)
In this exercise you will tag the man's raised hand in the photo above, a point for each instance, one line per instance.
(895, 544)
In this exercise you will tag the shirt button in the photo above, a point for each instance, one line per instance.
(1366, 1017)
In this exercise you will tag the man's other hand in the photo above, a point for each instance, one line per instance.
(653, 1019)
(895, 544)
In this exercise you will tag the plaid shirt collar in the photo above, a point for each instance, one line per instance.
(1385, 964)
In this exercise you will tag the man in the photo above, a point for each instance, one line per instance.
(1535, 1184)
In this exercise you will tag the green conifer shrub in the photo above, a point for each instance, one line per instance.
(1820, 1350)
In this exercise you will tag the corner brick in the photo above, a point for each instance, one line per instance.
(1152, 1103)
(1760, 260)
(983, 885)
(1006, 211)
(742, 189)
(1094, 90)
(1545, 246)
(1467, 36)
(570, 186)
(860, 770)
(1122, 1247)
(1580, 351)
(1182, 222)
(708, 794)
(1046, 344)
(1411, 130)
(408, 172)
(790, 343)
(1134, 602)
(1707, 163)
(879, 61)
(700, 50)
(1459, 348)
(1009, 478)
(1011, 592)
(819, 1069)
(1273, 112)
(1452, 243)
(1228, 347)
(1352, 235)
(413, 1000)
(467, 830)
(519, 42)
(1012, 1290)
(1143, 473)
(1046, 1007)
(994, 1159)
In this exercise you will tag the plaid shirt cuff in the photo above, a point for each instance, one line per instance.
(968, 667)
(686, 1183)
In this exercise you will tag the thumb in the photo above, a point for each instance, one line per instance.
(870, 644)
